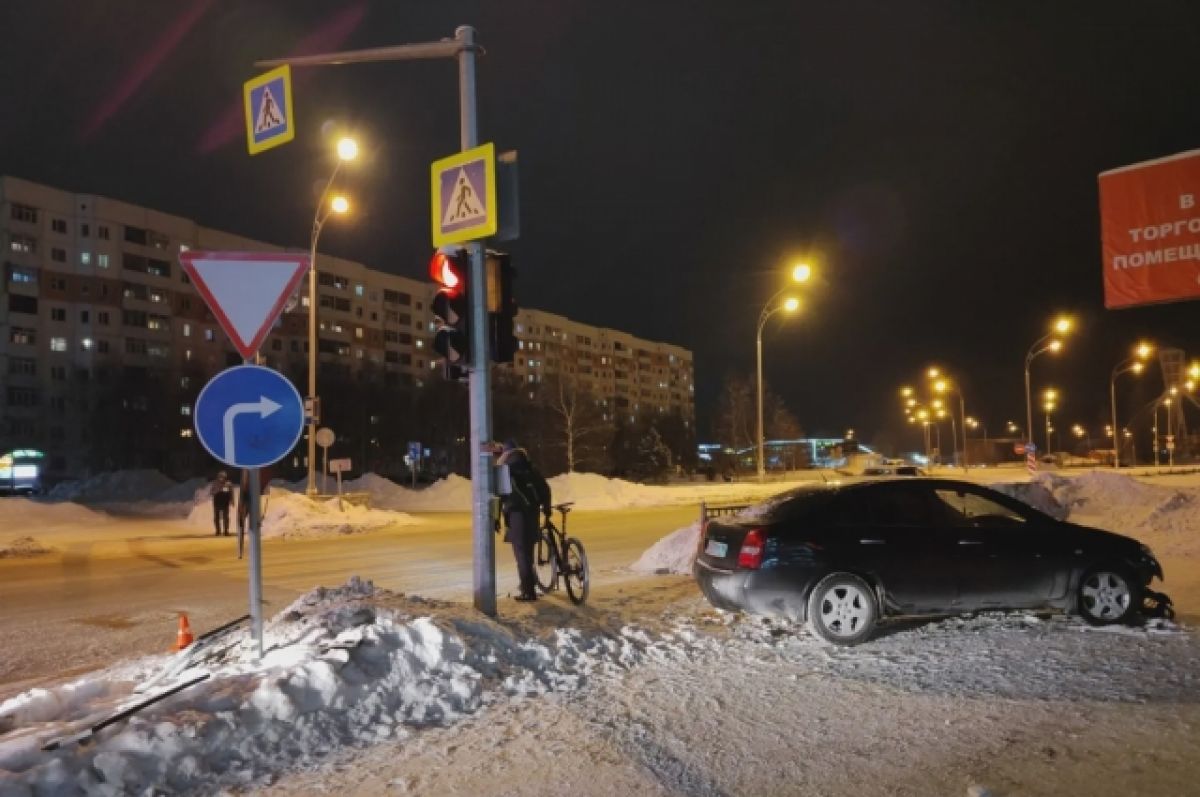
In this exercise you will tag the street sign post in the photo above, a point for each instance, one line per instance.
(246, 291)
(339, 466)
(270, 117)
(414, 459)
(248, 417)
(463, 191)
(325, 438)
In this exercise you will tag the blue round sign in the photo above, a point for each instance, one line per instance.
(249, 416)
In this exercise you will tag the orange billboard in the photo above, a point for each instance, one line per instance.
(1150, 231)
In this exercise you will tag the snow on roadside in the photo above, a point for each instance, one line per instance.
(340, 670)
(121, 485)
(297, 515)
(673, 554)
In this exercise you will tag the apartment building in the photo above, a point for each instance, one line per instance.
(93, 297)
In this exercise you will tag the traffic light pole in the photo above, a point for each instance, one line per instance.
(462, 47)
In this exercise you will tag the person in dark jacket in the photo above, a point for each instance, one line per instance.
(523, 493)
(222, 496)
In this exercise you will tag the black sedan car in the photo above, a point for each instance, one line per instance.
(841, 558)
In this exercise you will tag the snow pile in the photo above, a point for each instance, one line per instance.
(674, 553)
(22, 547)
(26, 515)
(119, 485)
(340, 670)
(1037, 494)
(296, 515)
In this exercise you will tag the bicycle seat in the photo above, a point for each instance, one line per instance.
(564, 508)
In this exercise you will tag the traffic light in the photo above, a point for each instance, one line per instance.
(452, 308)
(502, 307)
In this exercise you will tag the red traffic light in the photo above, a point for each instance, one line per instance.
(448, 272)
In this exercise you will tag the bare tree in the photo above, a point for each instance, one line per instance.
(581, 424)
(736, 412)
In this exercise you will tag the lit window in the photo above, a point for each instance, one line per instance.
(358, 331)
(185, 432)
(420, 344)
(58, 344)
(102, 261)
(209, 335)
(304, 301)
(187, 330)
(187, 355)
(85, 258)
(185, 409)
(358, 290)
(87, 344)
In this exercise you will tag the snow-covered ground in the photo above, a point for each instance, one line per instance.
(647, 690)
(362, 691)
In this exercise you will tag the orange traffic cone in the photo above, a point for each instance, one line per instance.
(184, 637)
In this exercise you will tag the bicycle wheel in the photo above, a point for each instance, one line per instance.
(545, 563)
(575, 571)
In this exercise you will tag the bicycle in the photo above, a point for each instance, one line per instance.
(557, 555)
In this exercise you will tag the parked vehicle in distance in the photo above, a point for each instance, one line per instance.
(894, 470)
(843, 558)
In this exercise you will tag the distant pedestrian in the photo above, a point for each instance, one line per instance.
(222, 496)
(523, 492)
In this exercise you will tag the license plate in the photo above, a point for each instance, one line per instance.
(716, 548)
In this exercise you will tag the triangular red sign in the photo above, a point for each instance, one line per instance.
(246, 291)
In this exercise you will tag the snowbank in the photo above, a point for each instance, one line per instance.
(24, 514)
(120, 485)
(674, 553)
(297, 515)
(339, 670)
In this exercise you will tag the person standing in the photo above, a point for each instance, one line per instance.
(523, 492)
(222, 496)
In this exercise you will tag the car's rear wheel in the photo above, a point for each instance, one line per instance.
(842, 609)
(1107, 595)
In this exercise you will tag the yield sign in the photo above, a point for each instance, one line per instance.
(246, 291)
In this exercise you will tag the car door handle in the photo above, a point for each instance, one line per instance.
(970, 542)
(873, 542)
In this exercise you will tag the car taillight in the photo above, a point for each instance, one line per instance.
(752, 549)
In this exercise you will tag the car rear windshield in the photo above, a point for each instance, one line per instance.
(787, 506)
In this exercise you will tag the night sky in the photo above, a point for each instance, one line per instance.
(936, 162)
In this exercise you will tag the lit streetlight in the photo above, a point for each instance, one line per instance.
(1050, 398)
(1135, 365)
(944, 385)
(800, 273)
(347, 150)
(1047, 343)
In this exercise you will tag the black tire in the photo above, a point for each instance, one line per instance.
(576, 572)
(842, 609)
(1108, 594)
(545, 564)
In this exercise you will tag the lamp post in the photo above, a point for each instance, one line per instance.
(946, 386)
(1046, 343)
(800, 273)
(1135, 365)
(347, 150)
(1050, 402)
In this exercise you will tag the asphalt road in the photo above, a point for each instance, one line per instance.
(94, 601)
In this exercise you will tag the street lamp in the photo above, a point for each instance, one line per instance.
(800, 273)
(1047, 343)
(1049, 403)
(974, 423)
(347, 150)
(946, 386)
(1135, 365)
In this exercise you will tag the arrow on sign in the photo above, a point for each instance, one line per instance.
(264, 407)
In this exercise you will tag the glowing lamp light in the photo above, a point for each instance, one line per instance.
(791, 304)
(1055, 345)
(1063, 325)
(347, 149)
(802, 272)
(339, 204)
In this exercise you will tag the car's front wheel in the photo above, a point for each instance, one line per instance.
(842, 609)
(1108, 595)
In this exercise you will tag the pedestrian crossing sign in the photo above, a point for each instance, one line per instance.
(463, 190)
(270, 119)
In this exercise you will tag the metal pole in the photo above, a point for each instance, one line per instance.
(1170, 440)
(1028, 403)
(480, 378)
(1116, 433)
(758, 438)
(1047, 431)
(1156, 435)
(318, 222)
(953, 436)
(962, 413)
